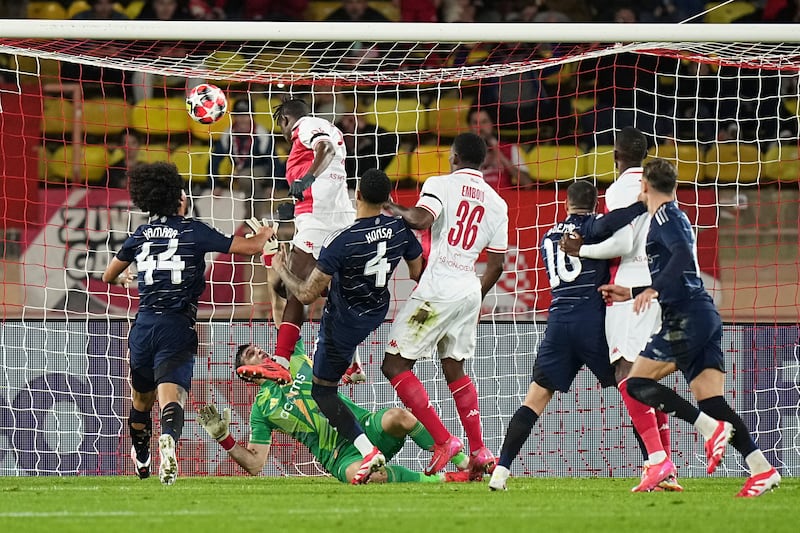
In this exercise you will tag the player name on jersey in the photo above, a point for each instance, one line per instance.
(159, 232)
(378, 234)
(472, 192)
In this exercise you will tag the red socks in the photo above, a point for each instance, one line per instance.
(662, 420)
(466, 398)
(288, 334)
(644, 420)
(415, 397)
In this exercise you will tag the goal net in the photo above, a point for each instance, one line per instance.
(77, 111)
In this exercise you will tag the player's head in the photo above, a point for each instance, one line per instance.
(581, 196)
(468, 151)
(248, 354)
(157, 188)
(374, 187)
(288, 113)
(660, 175)
(630, 147)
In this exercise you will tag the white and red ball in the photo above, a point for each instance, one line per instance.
(206, 103)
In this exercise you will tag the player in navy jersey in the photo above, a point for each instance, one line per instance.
(169, 251)
(357, 262)
(689, 338)
(575, 334)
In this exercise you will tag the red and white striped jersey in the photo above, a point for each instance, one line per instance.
(328, 193)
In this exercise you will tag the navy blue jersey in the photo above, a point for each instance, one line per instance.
(574, 280)
(361, 259)
(170, 257)
(672, 254)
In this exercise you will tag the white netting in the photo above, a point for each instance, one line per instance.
(76, 112)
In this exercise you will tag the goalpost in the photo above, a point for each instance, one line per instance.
(721, 101)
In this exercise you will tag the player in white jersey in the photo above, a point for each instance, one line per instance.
(627, 332)
(465, 216)
(317, 179)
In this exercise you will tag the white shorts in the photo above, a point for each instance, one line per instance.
(311, 230)
(449, 327)
(626, 332)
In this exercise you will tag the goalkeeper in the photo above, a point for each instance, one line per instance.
(291, 410)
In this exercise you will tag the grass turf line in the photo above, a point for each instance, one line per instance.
(241, 504)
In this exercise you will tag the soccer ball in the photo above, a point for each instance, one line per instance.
(206, 103)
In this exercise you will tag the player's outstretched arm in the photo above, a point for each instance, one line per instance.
(415, 217)
(621, 243)
(605, 226)
(494, 269)
(253, 244)
(216, 424)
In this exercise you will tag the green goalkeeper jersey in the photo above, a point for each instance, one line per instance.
(290, 409)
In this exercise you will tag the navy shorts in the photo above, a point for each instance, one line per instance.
(690, 338)
(339, 335)
(162, 350)
(566, 347)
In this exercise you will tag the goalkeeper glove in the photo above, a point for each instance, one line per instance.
(298, 186)
(217, 425)
(271, 245)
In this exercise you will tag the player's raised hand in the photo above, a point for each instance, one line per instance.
(571, 243)
(615, 293)
(216, 425)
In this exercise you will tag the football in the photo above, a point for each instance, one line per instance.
(206, 103)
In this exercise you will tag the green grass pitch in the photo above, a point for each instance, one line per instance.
(322, 505)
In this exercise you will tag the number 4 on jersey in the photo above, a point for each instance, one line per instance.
(378, 266)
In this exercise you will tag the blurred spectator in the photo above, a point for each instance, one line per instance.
(504, 166)
(14, 9)
(123, 159)
(356, 11)
(257, 170)
(625, 15)
(458, 11)
(104, 81)
(165, 10)
(783, 11)
(418, 10)
(368, 145)
(100, 10)
(264, 9)
(517, 100)
(327, 103)
(146, 85)
(253, 9)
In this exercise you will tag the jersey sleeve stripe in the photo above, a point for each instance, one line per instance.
(497, 250)
(428, 209)
(433, 196)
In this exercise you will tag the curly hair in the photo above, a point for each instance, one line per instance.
(156, 188)
(293, 107)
